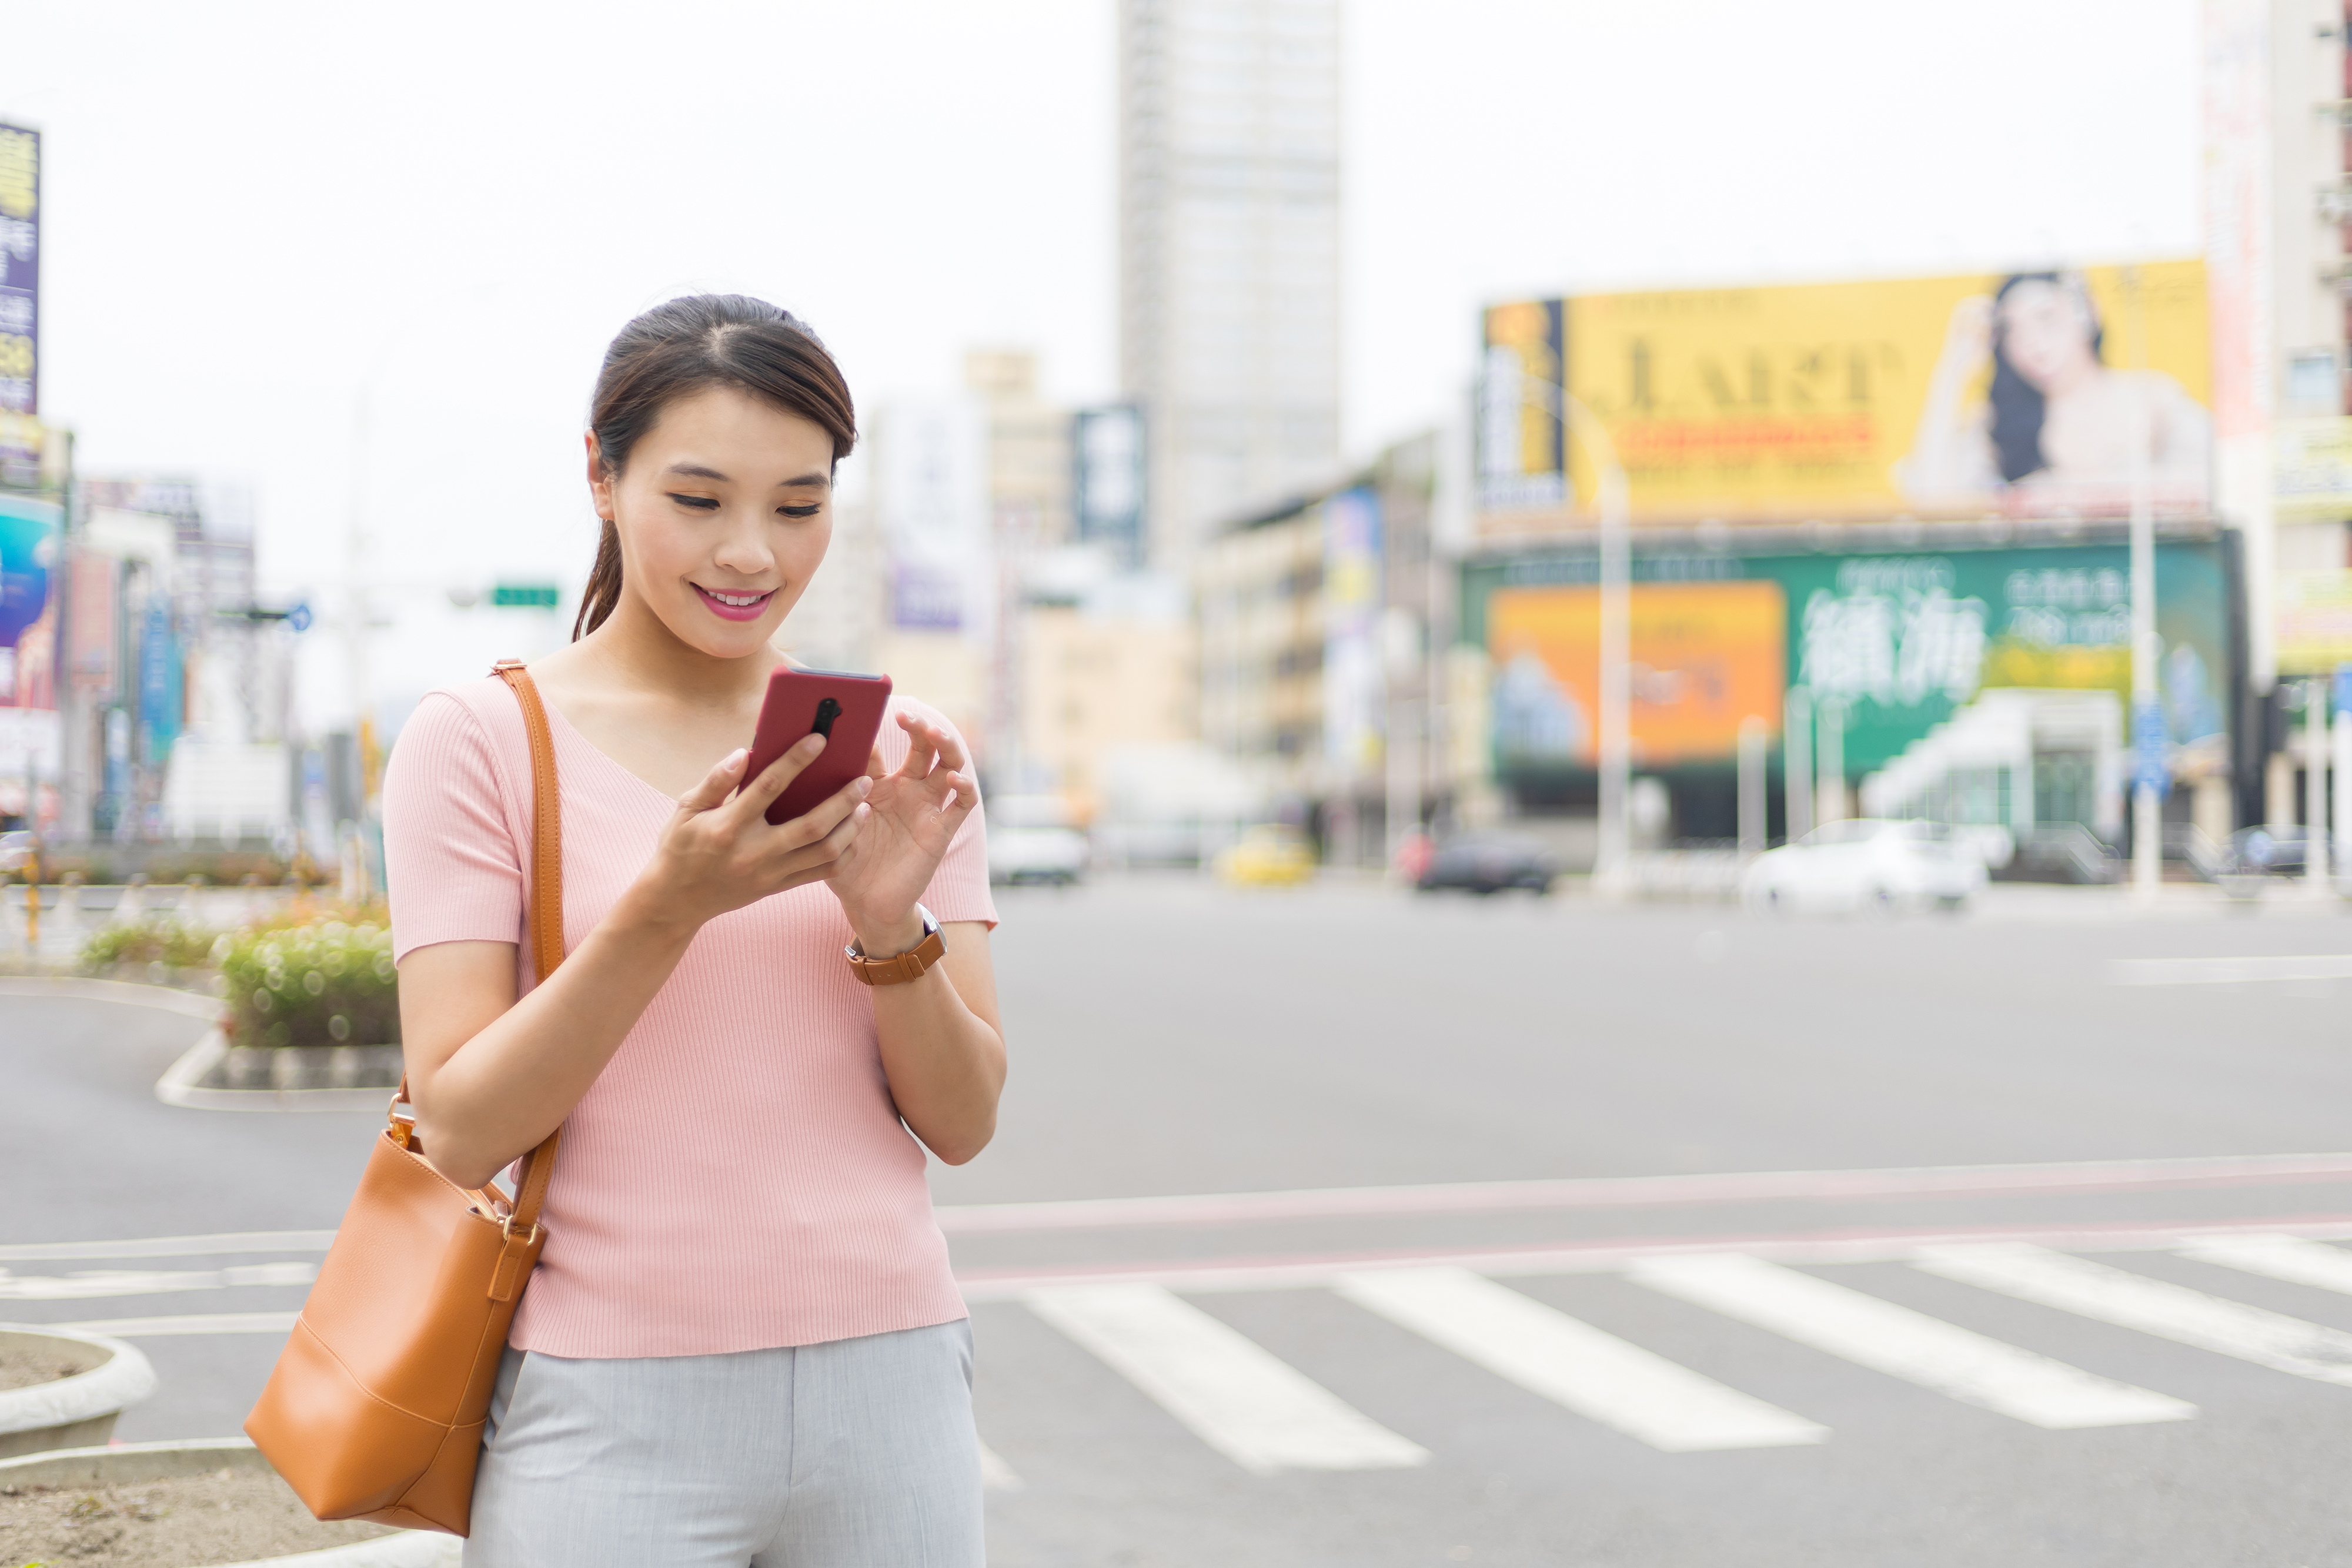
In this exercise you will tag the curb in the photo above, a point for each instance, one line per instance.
(81, 1408)
(183, 1085)
(86, 989)
(135, 1462)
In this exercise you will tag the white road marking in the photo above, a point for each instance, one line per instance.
(1594, 1373)
(148, 1282)
(194, 1323)
(171, 1246)
(2152, 1306)
(2227, 971)
(1241, 1400)
(1211, 1276)
(994, 1473)
(2288, 1258)
(1894, 1340)
(1639, 1192)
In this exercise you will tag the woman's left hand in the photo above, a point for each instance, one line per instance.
(913, 815)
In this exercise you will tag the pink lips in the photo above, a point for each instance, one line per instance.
(726, 611)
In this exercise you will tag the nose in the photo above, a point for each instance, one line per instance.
(743, 548)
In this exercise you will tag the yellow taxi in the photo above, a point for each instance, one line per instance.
(1268, 855)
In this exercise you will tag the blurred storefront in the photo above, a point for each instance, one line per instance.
(1889, 641)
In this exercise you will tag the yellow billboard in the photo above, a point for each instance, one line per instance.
(2045, 393)
(1707, 656)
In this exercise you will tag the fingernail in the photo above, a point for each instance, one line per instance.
(734, 759)
(864, 785)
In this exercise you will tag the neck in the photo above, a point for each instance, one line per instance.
(2070, 378)
(640, 652)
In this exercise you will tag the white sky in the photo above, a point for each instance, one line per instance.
(255, 211)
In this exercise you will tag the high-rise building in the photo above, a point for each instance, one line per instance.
(1229, 252)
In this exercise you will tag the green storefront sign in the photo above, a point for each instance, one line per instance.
(1902, 639)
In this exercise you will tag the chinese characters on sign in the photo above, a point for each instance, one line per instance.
(20, 268)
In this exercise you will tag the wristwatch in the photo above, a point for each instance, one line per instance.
(910, 965)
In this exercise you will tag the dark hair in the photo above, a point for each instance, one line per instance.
(677, 349)
(2018, 404)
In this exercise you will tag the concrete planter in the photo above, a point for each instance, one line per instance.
(217, 1076)
(134, 1463)
(299, 1067)
(71, 1412)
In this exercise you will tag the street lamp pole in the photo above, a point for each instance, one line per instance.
(1613, 864)
(2148, 758)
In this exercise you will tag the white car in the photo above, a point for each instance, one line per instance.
(1033, 838)
(1865, 864)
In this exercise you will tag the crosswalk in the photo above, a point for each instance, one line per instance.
(1655, 1401)
(1266, 1417)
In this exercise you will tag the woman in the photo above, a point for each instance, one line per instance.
(2057, 427)
(743, 1344)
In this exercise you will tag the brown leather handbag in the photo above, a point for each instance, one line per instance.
(374, 1410)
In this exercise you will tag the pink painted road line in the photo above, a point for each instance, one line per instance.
(1642, 1192)
(1311, 1270)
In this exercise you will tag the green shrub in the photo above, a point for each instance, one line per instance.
(161, 939)
(328, 982)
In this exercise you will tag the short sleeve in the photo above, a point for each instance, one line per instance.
(959, 889)
(449, 854)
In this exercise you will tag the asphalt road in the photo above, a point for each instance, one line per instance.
(1499, 1355)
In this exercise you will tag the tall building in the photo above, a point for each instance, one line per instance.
(1229, 254)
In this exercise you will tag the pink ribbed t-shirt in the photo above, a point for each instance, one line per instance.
(737, 1178)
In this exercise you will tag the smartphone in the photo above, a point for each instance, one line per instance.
(846, 709)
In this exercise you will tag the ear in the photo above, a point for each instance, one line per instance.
(600, 478)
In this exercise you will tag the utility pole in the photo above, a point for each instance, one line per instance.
(2150, 763)
(1612, 866)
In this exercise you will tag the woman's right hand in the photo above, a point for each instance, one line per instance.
(1967, 338)
(719, 853)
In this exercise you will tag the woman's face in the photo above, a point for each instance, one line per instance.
(724, 512)
(2046, 332)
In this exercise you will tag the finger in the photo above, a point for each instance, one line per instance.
(761, 792)
(723, 776)
(967, 794)
(951, 750)
(874, 768)
(812, 862)
(820, 818)
(922, 750)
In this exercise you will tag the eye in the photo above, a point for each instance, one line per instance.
(808, 511)
(700, 503)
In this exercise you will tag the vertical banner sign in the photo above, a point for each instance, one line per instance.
(1522, 441)
(1354, 692)
(20, 268)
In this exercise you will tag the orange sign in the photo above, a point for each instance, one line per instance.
(1706, 655)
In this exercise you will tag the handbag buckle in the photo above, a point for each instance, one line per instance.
(508, 1228)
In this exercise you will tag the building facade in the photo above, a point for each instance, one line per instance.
(1229, 252)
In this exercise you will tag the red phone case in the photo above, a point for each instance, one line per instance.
(794, 706)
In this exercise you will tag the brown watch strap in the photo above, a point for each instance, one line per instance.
(910, 965)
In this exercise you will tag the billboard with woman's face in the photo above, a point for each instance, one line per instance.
(2048, 392)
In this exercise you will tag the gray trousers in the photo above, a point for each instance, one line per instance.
(859, 1453)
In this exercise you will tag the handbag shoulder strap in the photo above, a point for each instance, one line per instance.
(546, 911)
(546, 906)
(546, 824)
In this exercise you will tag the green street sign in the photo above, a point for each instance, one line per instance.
(527, 595)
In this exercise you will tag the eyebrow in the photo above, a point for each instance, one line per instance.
(697, 471)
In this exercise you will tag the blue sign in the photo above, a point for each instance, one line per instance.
(2151, 748)
(2344, 688)
(159, 681)
(28, 530)
(298, 618)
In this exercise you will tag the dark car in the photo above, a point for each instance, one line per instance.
(1489, 862)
